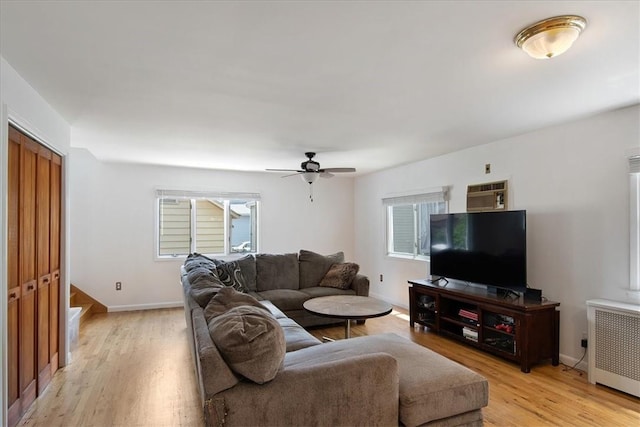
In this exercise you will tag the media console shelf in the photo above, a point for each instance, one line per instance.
(518, 330)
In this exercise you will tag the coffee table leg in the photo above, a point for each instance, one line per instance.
(347, 328)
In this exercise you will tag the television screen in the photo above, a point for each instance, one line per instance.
(488, 248)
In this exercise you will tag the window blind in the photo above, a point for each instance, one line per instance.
(184, 194)
(431, 196)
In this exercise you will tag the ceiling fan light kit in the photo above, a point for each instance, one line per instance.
(550, 37)
(310, 171)
(309, 177)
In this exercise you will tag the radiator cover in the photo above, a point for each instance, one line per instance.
(614, 345)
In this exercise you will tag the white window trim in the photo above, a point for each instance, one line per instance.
(436, 194)
(634, 225)
(203, 195)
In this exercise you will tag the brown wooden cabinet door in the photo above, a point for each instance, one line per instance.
(28, 274)
(43, 213)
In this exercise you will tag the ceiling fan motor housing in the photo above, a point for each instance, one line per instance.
(310, 166)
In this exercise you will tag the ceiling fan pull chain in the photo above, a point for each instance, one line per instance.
(311, 192)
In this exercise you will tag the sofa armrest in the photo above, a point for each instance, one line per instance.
(360, 284)
(214, 375)
(355, 390)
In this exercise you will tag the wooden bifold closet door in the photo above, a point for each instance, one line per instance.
(34, 200)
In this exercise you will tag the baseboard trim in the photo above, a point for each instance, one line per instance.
(570, 361)
(136, 307)
(387, 300)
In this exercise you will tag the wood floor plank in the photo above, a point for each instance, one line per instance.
(130, 369)
(134, 369)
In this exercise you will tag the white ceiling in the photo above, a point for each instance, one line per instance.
(253, 85)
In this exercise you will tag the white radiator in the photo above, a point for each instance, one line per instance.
(614, 344)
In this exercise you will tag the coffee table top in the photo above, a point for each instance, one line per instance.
(347, 307)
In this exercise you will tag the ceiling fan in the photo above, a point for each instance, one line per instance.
(310, 170)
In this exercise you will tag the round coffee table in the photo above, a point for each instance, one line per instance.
(347, 307)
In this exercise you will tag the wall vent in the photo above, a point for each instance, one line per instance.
(614, 345)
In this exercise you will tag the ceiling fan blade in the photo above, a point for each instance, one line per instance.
(338, 170)
(292, 174)
(326, 174)
(284, 170)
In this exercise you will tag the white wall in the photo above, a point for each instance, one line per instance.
(113, 220)
(573, 181)
(23, 106)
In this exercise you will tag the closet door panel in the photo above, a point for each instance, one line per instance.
(43, 207)
(28, 276)
(54, 312)
(13, 278)
(13, 325)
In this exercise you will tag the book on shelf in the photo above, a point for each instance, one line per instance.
(468, 314)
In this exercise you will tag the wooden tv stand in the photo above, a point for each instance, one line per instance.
(518, 330)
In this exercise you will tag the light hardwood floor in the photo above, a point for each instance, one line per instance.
(135, 369)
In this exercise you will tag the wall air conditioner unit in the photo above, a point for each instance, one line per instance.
(614, 345)
(490, 196)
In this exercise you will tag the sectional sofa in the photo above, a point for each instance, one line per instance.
(287, 280)
(257, 366)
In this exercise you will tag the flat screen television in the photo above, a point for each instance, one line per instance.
(488, 248)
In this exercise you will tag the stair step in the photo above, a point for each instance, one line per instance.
(86, 310)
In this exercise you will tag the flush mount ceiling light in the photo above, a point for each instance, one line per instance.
(550, 37)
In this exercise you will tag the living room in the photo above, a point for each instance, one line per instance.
(570, 175)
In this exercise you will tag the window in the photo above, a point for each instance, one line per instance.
(408, 222)
(207, 223)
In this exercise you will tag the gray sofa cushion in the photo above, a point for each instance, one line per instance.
(275, 311)
(226, 299)
(314, 266)
(286, 299)
(204, 284)
(296, 336)
(247, 265)
(251, 341)
(432, 387)
(198, 260)
(200, 276)
(276, 272)
(326, 291)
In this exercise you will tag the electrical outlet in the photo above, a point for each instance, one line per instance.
(583, 343)
(487, 168)
(381, 277)
(118, 286)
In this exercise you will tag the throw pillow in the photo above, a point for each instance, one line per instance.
(251, 341)
(226, 299)
(340, 275)
(198, 260)
(314, 266)
(230, 274)
(204, 284)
